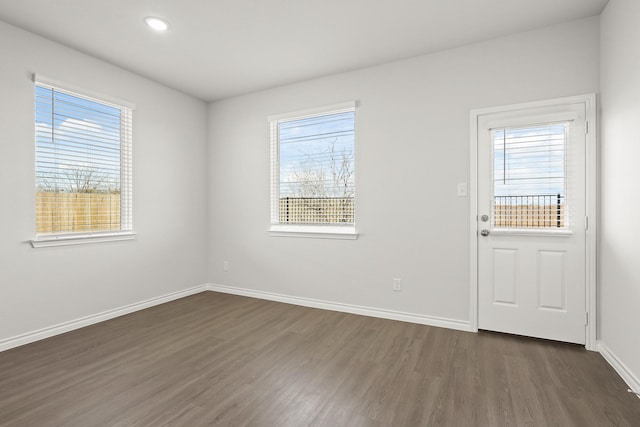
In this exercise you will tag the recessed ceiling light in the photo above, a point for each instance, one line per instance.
(156, 23)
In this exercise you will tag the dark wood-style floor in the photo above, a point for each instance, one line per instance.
(216, 359)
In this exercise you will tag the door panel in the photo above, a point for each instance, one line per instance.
(552, 280)
(531, 205)
(505, 276)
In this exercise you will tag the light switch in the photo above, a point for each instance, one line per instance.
(462, 189)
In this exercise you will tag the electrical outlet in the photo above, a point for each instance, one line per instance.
(225, 265)
(397, 285)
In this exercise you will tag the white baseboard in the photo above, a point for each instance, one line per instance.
(347, 308)
(61, 328)
(632, 381)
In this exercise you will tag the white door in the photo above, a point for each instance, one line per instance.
(531, 222)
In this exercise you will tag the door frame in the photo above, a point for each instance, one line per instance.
(591, 192)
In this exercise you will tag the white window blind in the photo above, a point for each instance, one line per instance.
(83, 164)
(529, 177)
(313, 168)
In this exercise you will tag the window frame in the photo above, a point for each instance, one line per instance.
(126, 231)
(324, 231)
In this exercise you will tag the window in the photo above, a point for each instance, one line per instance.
(83, 168)
(529, 177)
(313, 172)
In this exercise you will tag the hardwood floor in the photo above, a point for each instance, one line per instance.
(216, 359)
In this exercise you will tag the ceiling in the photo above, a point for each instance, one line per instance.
(221, 48)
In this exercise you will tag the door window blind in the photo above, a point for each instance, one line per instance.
(529, 177)
(83, 163)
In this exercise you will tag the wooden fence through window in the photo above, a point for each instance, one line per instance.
(315, 210)
(58, 212)
(536, 211)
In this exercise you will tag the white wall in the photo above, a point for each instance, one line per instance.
(619, 269)
(412, 150)
(412, 139)
(43, 287)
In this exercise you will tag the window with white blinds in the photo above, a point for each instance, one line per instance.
(83, 164)
(529, 177)
(313, 168)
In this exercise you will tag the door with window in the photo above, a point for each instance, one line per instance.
(531, 222)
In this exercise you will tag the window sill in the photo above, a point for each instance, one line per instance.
(314, 232)
(47, 241)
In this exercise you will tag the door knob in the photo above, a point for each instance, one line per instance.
(484, 232)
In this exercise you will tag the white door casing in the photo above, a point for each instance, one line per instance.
(533, 278)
